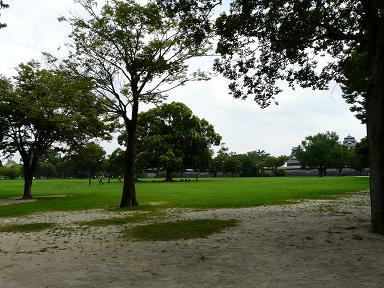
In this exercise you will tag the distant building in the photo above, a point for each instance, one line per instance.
(349, 141)
(292, 162)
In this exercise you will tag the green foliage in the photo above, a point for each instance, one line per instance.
(41, 109)
(11, 170)
(182, 229)
(323, 151)
(274, 162)
(310, 43)
(217, 163)
(51, 165)
(170, 137)
(134, 54)
(169, 162)
(291, 38)
(232, 164)
(86, 161)
(360, 155)
(251, 162)
(357, 70)
(245, 165)
(341, 157)
(279, 173)
(114, 163)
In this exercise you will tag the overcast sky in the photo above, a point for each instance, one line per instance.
(33, 28)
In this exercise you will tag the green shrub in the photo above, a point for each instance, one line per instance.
(279, 173)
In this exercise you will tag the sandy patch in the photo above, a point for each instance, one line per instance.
(323, 243)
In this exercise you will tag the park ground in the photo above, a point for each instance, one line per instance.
(311, 243)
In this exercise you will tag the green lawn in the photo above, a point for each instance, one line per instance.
(206, 193)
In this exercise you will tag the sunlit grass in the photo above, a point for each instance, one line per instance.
(69, 195)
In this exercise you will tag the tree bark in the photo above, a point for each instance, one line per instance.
(321, 171)
(168, 176)
(375, 132)
(128, 197)
(27, 186)
(29, 169)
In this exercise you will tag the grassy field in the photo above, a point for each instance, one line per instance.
(205, 193)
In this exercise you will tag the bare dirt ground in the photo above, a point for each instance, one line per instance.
(322, 243)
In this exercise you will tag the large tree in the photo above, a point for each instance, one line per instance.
(252, 162)
(274, 162)
(86, 161)
(50, 164)
(319, 152)
(311, 43)
(114, 163)
(42, 109)
(135, 54)
(172, 138)
(11, 170)
(217, 162)
(233, 164)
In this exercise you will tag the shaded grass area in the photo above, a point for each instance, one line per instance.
(182, 229)
(26, 228)
(202, 194)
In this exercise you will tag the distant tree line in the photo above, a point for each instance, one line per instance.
(249, 164)
(170, 138)
(88, 161)
(323, 151)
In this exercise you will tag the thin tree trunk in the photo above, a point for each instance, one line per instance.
(29, 169)
(168, 176)
(375, 131)
(321, 171)
(128, 197)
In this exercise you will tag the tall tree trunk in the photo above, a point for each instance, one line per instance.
(375, 131)
(128, 197)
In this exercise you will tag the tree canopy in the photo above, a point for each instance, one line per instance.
(322, 151)
(263, 42)
(41, 109)
(247, 165)
(86, 161)
(311, 43)
(172, 138)
(360, 155)
(135, 54)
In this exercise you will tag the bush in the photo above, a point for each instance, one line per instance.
(279, 173)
